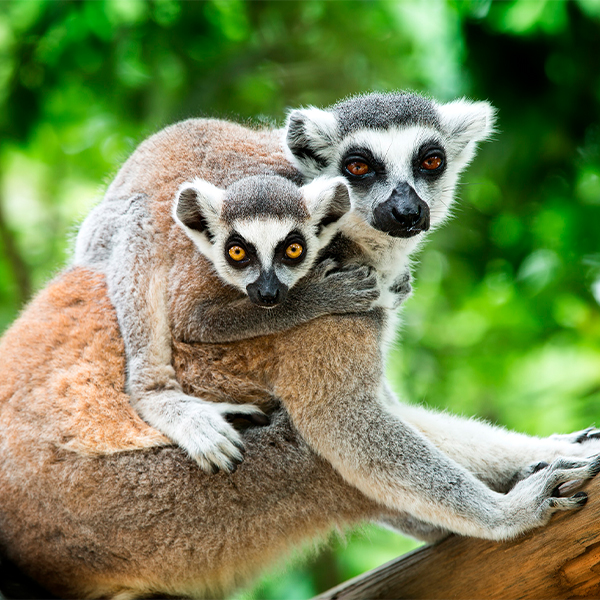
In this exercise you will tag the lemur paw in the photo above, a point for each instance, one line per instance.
(354, 288)
(578, 437)
(202, 430)
(401, 288)
(321, 270)
(539, 493)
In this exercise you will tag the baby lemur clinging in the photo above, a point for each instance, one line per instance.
(402, 155)
(262, 235)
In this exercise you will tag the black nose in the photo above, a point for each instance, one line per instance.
(403, 214)
(267, 290)
(268, 297)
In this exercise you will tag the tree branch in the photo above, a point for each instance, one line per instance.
(559, 561)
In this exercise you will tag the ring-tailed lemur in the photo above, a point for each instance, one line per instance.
(262, 235)
(154, 522)
(402, 155)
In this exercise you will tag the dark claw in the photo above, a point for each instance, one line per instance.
(234, 467)
(214, 469)
(582, 498)
(260, 419)
(556, 492)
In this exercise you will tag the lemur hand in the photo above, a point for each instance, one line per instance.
(339, 290)
(401, 288)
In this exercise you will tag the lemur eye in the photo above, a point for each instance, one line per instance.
(431, 163)
(237, 253)
(358, 168)
(294, 251)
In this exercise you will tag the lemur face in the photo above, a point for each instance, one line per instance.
(401, 154)
(263, 233)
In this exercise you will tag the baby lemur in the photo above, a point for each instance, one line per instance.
(262, 235)
(402, 155)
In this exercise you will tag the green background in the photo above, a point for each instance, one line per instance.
(505, 320)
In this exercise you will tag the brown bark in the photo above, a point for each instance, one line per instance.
(559, 561)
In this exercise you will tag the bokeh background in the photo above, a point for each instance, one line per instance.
(505, 319)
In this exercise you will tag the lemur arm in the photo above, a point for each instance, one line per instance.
(498, 457)
(323, 291)
(336, 405)
(119, 239)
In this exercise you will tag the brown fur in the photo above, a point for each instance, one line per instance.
(93, 504)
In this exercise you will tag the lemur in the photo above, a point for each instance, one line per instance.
(382, 231)
(132, 523)
(262, 235)
(402, 155)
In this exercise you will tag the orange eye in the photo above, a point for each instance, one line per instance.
(237, 253)
(294, 250)
(358, 168)
(431, 163)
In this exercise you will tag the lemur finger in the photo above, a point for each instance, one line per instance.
(325, 267)
(591, 433)
(249, 412)
(577, 501)
(563, 470)
(578, 437)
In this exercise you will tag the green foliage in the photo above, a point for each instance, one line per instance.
(505, 320)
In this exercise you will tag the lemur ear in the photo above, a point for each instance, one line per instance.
(310, 134)
(467, 121)
(327, 200)
(198, 206)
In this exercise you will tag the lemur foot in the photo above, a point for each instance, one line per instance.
(533, 500)
(201, 428)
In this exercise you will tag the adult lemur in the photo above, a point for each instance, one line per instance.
(152, 522)
(402, 155)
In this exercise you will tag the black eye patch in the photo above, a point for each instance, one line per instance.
(429, 162)
(239, 253)
(292, 250)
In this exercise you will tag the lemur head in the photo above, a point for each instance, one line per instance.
(400, 153)
(263, 233)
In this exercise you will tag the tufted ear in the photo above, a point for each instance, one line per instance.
(327, 200)
(310, 134)
(196, 210)
(467, 123)
(198, 206)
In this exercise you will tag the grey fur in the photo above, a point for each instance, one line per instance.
(269, 196)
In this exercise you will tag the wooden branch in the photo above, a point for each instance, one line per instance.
(559, 561)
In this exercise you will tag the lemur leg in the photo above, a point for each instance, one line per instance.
(136, 276)
(332, 386)
(498, 457)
